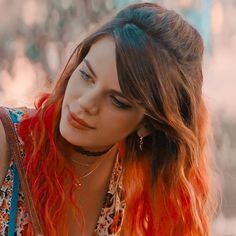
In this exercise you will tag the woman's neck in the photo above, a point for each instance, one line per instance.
(99, 178)
(79, 157)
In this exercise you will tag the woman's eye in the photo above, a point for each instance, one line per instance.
(115, 101)
(120, 104)
(84, 75)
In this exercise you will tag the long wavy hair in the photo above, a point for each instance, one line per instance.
(158, 56)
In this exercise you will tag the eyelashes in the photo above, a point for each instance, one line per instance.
(86, 77)
(119, 104)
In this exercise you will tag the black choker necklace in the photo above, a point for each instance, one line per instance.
(88, 153)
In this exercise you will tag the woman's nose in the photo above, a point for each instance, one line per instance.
(89, 102)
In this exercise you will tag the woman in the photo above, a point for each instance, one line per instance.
(119, 145)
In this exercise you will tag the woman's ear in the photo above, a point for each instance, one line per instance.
(143, 130)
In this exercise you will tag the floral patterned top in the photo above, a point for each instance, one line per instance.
(111, 216)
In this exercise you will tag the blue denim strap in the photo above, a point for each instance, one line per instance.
(14, 202)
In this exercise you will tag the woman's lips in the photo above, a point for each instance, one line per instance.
(77, 122)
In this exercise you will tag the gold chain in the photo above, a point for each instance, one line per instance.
(89, 172)
(82, 164)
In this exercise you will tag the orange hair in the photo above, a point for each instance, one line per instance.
(158, 58)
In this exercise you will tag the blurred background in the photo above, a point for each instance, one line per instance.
(37, 36)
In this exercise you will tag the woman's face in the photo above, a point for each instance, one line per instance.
(93, 95)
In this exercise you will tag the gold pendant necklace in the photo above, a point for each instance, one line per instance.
(89, 172)
(82, 164)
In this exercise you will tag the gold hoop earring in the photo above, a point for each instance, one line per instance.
(141, 142)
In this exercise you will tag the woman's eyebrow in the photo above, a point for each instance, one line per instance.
(90, 67)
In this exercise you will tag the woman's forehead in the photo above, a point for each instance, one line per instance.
(103, 52)
(101, 62)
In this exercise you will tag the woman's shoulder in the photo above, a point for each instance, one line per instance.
(18, 113)
(4, 157)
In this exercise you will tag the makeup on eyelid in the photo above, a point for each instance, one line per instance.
(85, 76)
